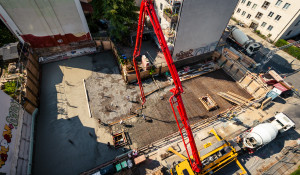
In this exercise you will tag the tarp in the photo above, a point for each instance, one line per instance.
(274, 93)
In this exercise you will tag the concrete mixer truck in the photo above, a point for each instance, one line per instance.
(240, 41)
(264, 133)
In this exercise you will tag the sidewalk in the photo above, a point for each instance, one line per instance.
(289, 59)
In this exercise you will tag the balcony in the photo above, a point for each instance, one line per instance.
(173, 2)
(170, 16)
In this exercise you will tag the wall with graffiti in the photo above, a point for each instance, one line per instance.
(11, 127)
(194, 52)
(200, 26)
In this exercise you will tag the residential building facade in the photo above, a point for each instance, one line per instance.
(167, 13)
(193, 27)
(275, 19)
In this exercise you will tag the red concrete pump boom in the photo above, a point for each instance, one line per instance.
(147, 8)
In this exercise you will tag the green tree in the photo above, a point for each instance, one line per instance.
(97, 9)
(122, 15)
(5, 35)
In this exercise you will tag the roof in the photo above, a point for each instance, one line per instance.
(9, 51)
(280, 87)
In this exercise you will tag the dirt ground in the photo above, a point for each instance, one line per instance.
(159, 121)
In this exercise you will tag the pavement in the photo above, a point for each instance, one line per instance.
(282, 62)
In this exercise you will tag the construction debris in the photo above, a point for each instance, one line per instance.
(197, 70)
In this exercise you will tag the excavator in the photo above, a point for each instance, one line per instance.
(214, 156)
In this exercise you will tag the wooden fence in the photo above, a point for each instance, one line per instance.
(32, 83)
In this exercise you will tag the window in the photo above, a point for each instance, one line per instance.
(258, 15)
(289, 33)
(248, 16)
(271, 14)
(270, 28)
(265, 5)
(249, 3)
(263, 24)
(286, 6)
(243, 13)
(243, 1)
(161, 6)
(254, 6)
(238, 10)
(277, 18)
(278, 2)
(297, 23)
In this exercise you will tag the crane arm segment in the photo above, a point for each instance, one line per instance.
(148, 8)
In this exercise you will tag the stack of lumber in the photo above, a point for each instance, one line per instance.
(234, 98)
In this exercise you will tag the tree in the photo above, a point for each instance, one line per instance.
(122, 15)
(98, 9)
(5, 35)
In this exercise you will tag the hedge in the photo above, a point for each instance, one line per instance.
(293, 50)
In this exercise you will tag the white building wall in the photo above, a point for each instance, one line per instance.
(201, 26)
(160, 5)
(279, 27)
(45, 23)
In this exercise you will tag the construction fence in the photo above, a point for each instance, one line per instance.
(129, 76)
(32, 84)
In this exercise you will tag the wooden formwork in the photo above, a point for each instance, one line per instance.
(32, 83)
(208, 102)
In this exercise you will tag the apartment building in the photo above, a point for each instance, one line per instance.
(193, 27)
(273, 18)
(167, 14)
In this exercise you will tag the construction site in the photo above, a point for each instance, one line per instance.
(185, 108)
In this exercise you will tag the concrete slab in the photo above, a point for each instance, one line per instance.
(67, 140)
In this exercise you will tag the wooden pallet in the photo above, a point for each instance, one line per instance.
(208, 102)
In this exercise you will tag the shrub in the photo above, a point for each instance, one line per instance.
(152, 70)
(257, 31)
(281, 42)
(10, 88)
(234, 19)
(294, 51)
(168, 11)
